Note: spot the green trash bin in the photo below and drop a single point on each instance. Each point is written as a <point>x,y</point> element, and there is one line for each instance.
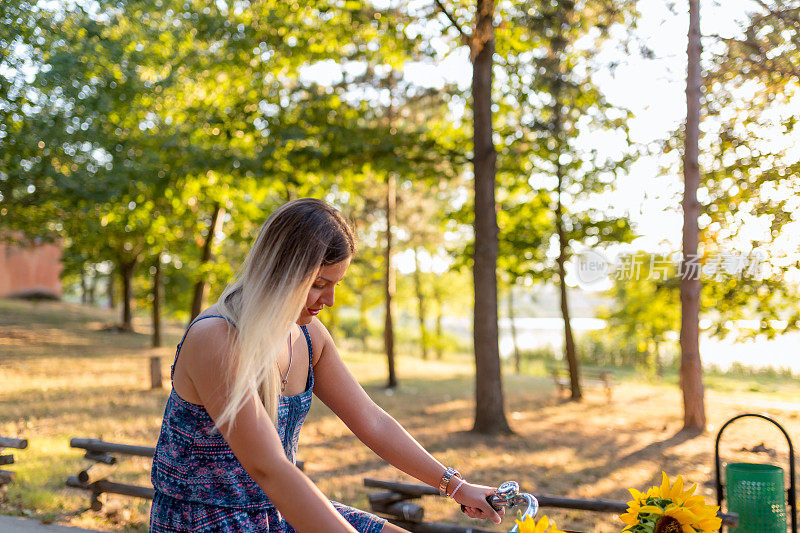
<point>756,493</point>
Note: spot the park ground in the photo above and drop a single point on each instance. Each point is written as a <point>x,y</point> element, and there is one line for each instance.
<point>64,374</point>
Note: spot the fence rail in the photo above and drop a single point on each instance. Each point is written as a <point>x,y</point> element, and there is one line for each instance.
<point>99,446</point>
<point>394,504</point>
<point>93,478</point>
<point>7,476</point>
<point>18,444</point>
<point>406,491</point>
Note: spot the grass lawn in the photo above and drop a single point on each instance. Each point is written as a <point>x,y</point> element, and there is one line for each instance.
<point>63,376</point>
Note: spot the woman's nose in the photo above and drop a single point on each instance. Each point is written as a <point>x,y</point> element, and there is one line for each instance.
<point>327,297</point>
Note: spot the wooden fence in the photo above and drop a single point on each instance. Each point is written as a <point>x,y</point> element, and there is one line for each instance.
<point>410,518</point>
<point>7,476</point>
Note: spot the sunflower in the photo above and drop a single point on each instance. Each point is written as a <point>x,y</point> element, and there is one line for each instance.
<point>529,525</point>
<point>668,508</point>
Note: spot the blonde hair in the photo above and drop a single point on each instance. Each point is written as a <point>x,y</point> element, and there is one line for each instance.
<point>270,290</point>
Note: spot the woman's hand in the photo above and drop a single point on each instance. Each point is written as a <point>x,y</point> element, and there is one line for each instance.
<point>473,498</point>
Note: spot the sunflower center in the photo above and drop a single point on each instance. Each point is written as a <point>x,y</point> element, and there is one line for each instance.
<point>668,524</point>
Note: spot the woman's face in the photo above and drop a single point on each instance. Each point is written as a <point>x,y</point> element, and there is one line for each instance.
<point>322,290</point>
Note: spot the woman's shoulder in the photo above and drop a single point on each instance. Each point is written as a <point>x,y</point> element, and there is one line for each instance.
<point>211,319</point>
<point>210,334</point>
<point>209,324</point>
<point>202,355</point>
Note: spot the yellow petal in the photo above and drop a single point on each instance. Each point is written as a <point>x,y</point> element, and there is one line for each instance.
<point>677,489</point>
<point>638,496</point>
<point>688,492</point>
<point>682,515</point>
<point>694,500</point>
<point>664,485</point>
<point>651,509</point>
<point>710,524</point>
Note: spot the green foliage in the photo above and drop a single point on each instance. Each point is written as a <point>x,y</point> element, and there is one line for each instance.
<point>552,104</point>
<point>646,312</point>
<point>750,180</point>
<point>542,353</point>
<point>737,369</point>
<point>611,348</point>
<point>152,113</point>
<point>123,125</point>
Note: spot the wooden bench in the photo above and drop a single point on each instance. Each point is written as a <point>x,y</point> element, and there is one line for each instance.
<point>7,476</point>
<point>590,378</point>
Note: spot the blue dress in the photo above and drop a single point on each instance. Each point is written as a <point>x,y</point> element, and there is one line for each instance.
<point>199,484</point>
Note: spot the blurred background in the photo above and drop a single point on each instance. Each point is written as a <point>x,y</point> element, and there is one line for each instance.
<point>147,141</point>
<point>144,142</point>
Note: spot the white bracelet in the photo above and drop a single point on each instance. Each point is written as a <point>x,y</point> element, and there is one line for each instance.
<point>453,494</point>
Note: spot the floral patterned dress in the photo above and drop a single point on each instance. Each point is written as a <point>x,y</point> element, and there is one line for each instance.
<point>199,484</point>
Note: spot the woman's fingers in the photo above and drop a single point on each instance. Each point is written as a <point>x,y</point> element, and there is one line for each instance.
<point>477,512</point>
<point>477,496</point>
<point>493,515</point>
<point>473,512</point>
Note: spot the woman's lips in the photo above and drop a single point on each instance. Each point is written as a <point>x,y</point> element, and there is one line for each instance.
<point>313,312</point>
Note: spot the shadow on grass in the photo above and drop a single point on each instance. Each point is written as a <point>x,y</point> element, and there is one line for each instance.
<point>549,429</point>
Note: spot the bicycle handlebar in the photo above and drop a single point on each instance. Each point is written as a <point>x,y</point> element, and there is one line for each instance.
<point>508,495</point>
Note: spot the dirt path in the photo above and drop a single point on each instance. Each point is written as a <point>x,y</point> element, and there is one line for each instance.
<point>11,524</point>
<point>757,404</point>
<point>72,378</point>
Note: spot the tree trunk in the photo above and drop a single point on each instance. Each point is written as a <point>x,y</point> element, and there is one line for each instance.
<point>91,287</point>
<point>513,327</point>
<point>84,289</point>
<point>126,275</point>
<point>389,279</point>
<point>205,257</point>
<point>156,379</point>
<point>490,417</point>
<point>569,340</point>
<point>691,375</point>
<point>423,333</point>
<point>556,56</point>
<point>657,356</point>
<point>437,295</point>
<point>112,300</point>
<point>157,291</point>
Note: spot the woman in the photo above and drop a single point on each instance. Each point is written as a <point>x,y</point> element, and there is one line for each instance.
<point>242,383</point>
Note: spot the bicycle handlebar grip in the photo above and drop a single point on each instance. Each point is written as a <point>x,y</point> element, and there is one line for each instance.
<point>489,500</point>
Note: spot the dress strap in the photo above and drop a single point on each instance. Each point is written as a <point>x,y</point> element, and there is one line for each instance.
<point>195,321</point>
<point>310,346</point>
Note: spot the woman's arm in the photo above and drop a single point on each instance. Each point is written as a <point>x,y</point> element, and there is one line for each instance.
<point>252,435</point>
<point>338,389</point>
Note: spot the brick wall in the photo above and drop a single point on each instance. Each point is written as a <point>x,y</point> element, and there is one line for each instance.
<point>25,269</point>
